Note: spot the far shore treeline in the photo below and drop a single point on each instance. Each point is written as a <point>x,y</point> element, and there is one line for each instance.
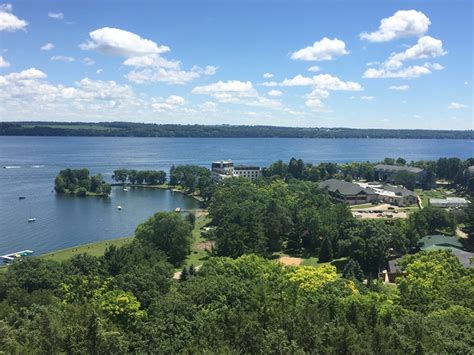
<point>129,129</point>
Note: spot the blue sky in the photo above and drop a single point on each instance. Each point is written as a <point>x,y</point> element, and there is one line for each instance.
<point>362,64</point>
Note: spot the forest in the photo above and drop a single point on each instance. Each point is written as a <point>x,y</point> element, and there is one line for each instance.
<point>129,129</point>
<point>241,300</point>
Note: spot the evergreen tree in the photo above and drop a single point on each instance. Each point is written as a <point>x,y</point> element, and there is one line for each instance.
<point>353,271</point>
<point>325,254</point>
<point>192,270</point>
<point>184,274</point>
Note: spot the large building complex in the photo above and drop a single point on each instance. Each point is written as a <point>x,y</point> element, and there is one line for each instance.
<point>360,193</point>
<point>225,169</point>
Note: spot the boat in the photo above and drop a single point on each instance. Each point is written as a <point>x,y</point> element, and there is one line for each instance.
<point>32,219</point>
<point>119,207</point>
<point>177,209</point>
<point>21,197</point>
<point>125,189</point>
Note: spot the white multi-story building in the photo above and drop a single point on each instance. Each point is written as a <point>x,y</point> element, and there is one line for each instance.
<point>225,169</point>
<point>251,172</point>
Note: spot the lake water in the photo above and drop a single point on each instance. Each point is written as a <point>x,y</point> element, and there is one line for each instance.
<point>65,221</point>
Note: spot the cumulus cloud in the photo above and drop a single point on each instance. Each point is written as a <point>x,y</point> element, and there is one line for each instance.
<point>325,49</point>
<point>63,58</point>
<point>399,87</point>
<point>426,47</point>
<point>314,68</point>
<point>28,94</point>
<point>99,71</point>
<point>56,15</point>
<point>456,106</point>
<point>155,68</point>
<point>236,92</point>
<point>4,63</point>
<point>8,21</point>
<point>275,93</point>
<point>208,106</point>
<point>322,81</point>
<point>404,73</point>
<point>47,47</point>
<point>170,104</point>
<point>367,98</point>
<point>404,23</point>
<point>393,67</point>
<point>119,42</point>
<point>268,75</point>
<point>170,72</point>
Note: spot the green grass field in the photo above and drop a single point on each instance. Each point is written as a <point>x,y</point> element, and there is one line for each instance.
<point>425,195</point>
<point>94,249</point>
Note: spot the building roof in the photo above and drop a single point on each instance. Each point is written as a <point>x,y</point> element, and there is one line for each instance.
<point>459,200</point>
<point>395,168</point>
<point>344,187</point>
<point>439,240</point>
<point>465,258</point>
<point>399,190</point>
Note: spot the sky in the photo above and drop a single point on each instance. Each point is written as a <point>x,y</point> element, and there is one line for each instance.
<point>360,64</point>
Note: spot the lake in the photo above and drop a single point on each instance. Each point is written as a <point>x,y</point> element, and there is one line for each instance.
<point>65,221</point>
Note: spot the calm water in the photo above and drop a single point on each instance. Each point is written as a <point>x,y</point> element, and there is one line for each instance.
<point>64,221</point>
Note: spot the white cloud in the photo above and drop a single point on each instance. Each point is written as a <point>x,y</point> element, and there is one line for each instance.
<point>367,98</point>
<point>56,15</point>
<point>8,21</point>
<point>371,64</point>
<point>268,83</point>
<point>426,47</point>
<point>434,66</point>
<point>404,23</point>
<point>236,92</point>
<point>88,61</point>
<point>4,63</point>
<point>47,47</point>
<point>172,103</point>
<point>399,87</point>
<point>62,58</point>
<point>325,49</point>
<point>406,73</point>
<point>322,81</point>
<point>28,74</point>
<point>208,106</point>
<point>275,93</point>
<point>227,90</point>
<point>268,75</point>
<point>314,68</point>
<point>99,71</point>
<point>119,42</point>
<point>456,106</point>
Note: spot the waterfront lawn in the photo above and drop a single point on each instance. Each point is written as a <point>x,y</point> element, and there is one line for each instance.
<point>94,249</point>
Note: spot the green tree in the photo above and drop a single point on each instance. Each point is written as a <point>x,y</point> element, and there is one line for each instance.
<point>168,232</point>
<point>353,271</point>
<point>326,254</point>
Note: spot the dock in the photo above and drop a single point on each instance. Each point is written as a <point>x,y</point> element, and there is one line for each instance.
<point>9,258</point>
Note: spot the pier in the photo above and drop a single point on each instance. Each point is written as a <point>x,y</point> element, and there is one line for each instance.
<point>9,258</point>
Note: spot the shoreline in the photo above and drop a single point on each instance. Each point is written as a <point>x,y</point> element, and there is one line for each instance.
<point>172,188</point>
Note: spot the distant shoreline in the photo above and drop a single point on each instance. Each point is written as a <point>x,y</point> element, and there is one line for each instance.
<point>148,130</point>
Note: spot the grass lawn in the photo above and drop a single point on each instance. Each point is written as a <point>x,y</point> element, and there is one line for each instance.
<point>425,195</point>
<point>362,206</point>
<point>198,255</point>
<point>94,249</point>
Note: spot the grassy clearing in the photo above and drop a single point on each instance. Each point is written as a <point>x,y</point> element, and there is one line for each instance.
<point>198,255</point>
<point>362,206</point>
<point>94,249</point>
<point>425,195</point>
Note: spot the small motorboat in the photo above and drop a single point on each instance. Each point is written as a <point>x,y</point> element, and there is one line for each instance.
<point>21,197</point>
<point>125,189</point>
<point>119,207</point>
<point>31,219</point>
